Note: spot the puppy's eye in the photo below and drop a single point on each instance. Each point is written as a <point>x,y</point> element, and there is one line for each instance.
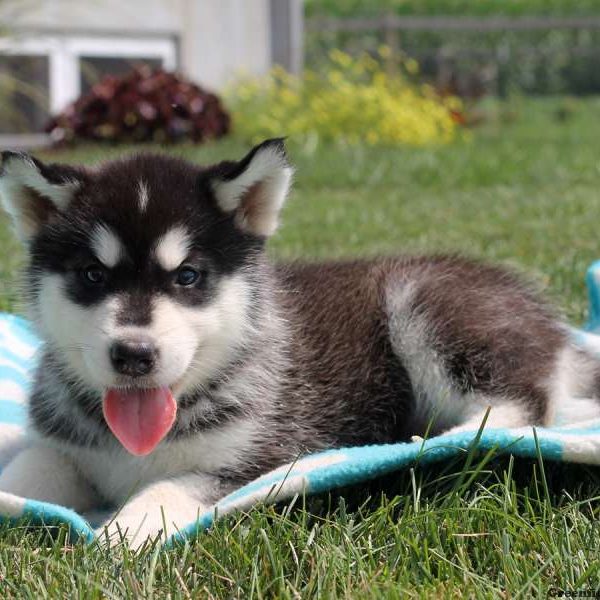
<point>187,276</point>
<point>94,274</point>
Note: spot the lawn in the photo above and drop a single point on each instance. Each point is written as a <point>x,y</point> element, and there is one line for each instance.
<point>523,191</point>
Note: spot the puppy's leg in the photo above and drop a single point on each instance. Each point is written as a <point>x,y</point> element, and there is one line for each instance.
<point>470,336</point>
<point>501,415</point>
<point>42,473</point>
<point>172,503</point>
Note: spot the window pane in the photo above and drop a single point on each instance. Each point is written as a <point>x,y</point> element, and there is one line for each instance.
<point>93,68</point>
<point>23,93</point>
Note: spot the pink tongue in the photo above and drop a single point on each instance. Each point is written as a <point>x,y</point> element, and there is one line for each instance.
<point>140,419</point>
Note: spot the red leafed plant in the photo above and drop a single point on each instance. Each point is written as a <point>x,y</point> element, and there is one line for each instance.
<point>146,105</point>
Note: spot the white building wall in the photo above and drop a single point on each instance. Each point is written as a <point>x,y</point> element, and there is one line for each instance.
<point>225,38</point>
<point>142,16</point>
<point>214,40</point>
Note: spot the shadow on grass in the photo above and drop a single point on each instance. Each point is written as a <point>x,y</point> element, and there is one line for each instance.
<point>551,485</point>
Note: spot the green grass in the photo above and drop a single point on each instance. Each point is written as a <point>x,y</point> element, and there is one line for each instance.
<point>525,193</point>
<point>489,8</point>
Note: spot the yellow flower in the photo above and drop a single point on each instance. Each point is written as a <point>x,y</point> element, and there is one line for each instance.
<point>352,101</point>
<point>411,65</point>
<point>384,51</point>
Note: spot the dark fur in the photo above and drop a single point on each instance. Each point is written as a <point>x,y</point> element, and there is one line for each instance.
<point>348,387</point>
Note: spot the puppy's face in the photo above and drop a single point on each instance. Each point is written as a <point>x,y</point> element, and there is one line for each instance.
<point>143,272</point>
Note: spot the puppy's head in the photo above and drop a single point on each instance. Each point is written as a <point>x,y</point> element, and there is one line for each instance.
<point>143,272</point>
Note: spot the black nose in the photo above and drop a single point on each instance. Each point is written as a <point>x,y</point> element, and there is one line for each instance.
<point>133,357</point>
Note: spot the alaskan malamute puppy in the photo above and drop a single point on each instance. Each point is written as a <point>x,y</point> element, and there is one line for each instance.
<point>179,363</point>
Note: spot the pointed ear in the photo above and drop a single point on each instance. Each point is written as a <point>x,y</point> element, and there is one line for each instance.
<point>255,188</point>
<point>32,192</point>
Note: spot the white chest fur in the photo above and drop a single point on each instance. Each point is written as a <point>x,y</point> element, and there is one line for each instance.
<point>117,475</point>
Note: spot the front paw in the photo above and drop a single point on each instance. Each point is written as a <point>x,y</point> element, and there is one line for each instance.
<point>159,511</point>
<point>134,529</point>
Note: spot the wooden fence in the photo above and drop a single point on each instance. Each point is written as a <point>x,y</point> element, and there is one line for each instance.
<point>393,27</point>
<point>463,24</point>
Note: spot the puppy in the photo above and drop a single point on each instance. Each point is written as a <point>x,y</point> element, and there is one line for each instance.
<point>179,363</point>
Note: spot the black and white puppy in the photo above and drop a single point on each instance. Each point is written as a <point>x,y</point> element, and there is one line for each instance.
<point>179,363</point>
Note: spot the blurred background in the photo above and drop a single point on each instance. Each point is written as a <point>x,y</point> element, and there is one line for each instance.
<point>54,52</point>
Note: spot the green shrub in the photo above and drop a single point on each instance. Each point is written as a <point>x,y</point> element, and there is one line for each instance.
<point>350,8</point>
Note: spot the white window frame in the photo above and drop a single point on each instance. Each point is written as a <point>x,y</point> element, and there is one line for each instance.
<point>64,54</point>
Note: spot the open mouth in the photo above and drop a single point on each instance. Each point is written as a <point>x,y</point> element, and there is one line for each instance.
<point>139,417</point>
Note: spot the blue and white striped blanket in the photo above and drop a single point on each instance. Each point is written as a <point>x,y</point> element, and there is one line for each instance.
<point>321,472</point>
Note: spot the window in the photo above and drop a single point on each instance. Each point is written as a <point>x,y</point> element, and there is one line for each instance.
<point>23,93</point>
<point>93,68</point>
<point>55,70</point>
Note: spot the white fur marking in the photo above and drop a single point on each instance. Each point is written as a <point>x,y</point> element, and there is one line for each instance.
<point>194,343</point>
<point>505,415</point>
<point>20,175</point>
<point>81,333</point>
<point>117,474</point>
<point>172,248</point>
<point>143,195</point>
<point>436,396</point>
<point>106,246</point>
